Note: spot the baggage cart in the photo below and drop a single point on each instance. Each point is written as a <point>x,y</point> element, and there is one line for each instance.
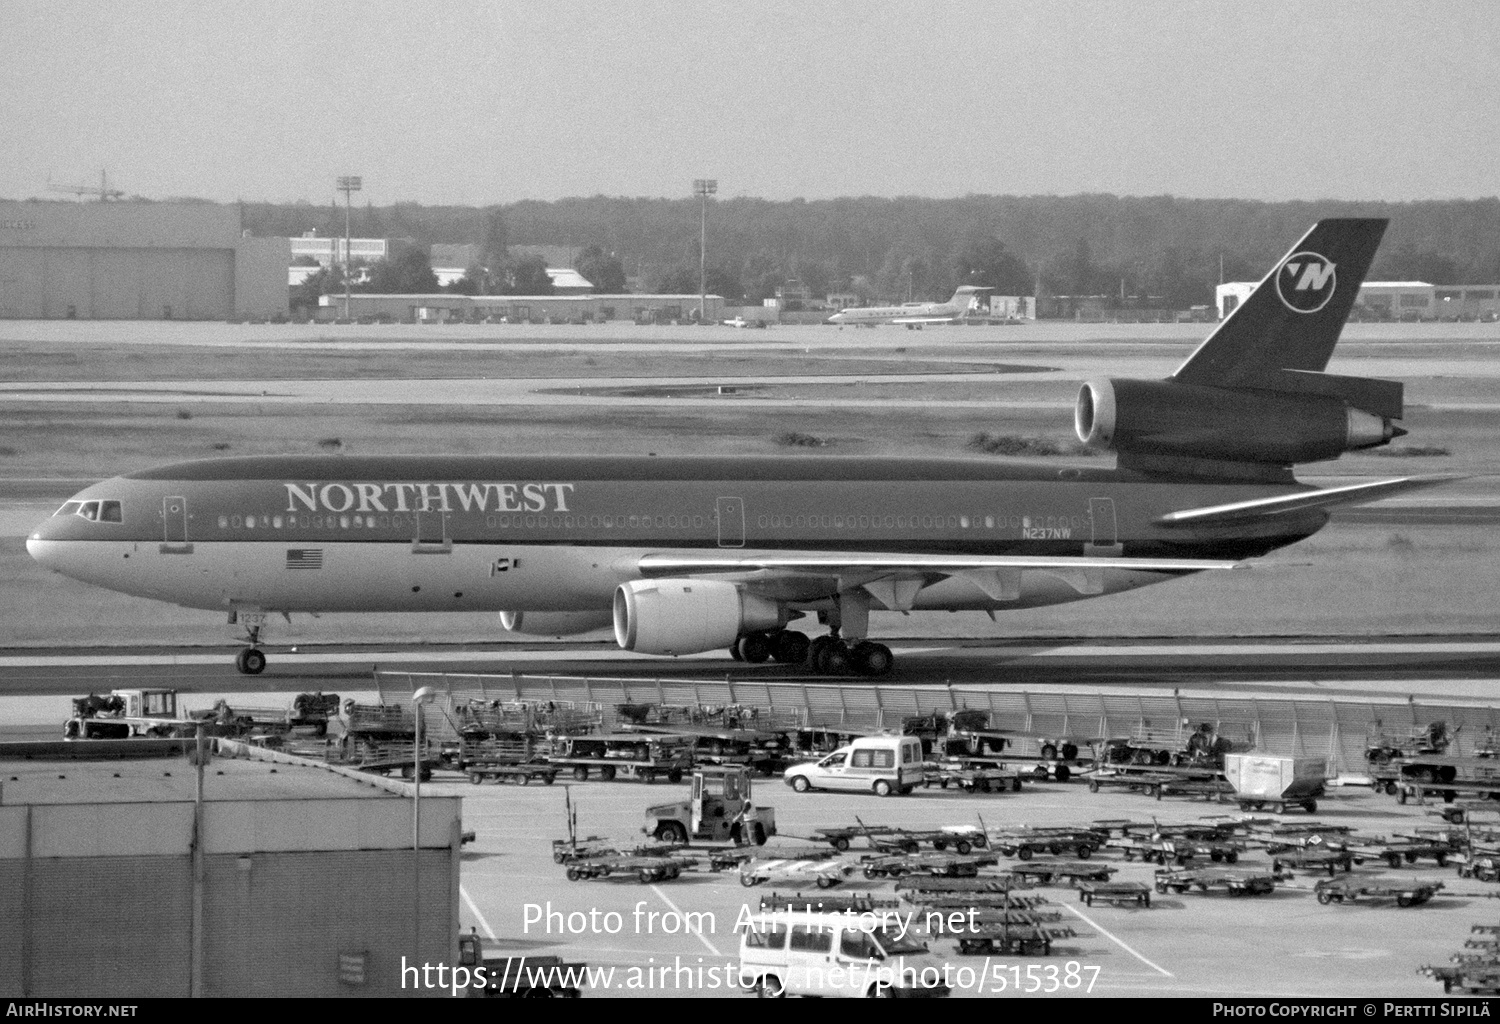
<point>826,903</point>
<point>1047,874</point>
<point>1235,883</point>
<point>1115,893</point>
<point>518,774</point>
<point>1345,890</point>
<point>1014,939</point>
<point>945,864</point>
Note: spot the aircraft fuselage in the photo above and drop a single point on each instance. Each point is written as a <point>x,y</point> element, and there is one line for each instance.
<point>414,533</point>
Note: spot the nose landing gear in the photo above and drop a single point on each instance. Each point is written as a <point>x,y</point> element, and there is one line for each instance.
<point>251,660</point>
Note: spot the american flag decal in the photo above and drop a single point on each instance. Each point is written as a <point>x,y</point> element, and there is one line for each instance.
<point>304,558</point>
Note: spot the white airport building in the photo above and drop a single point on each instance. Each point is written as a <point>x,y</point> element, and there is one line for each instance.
<point>1396,300</point>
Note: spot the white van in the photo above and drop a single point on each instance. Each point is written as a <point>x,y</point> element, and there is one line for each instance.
<point>813,954</point>
<point>879,764</point>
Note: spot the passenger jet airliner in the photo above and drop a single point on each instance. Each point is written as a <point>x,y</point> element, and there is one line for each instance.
<point>683,555</point>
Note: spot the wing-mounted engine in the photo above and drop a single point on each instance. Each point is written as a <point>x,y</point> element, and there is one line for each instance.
<point>556,623</point>
<point>1143,419</point>
<point>685,616</point>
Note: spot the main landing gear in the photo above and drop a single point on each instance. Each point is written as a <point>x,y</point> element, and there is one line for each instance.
<point>827,655</point>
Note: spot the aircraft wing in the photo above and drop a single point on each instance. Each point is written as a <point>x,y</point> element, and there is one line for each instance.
<point>896,579</point>
<point>944,565</point>
<point>1328,497</point>
<point>923,319</point>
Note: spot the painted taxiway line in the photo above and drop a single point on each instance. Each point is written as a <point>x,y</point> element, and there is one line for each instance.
<point>291,659</point>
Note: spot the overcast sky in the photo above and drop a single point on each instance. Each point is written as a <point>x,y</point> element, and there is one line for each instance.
<point>471,102</point>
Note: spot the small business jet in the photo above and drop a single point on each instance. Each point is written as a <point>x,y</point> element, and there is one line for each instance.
<point>913,315</point>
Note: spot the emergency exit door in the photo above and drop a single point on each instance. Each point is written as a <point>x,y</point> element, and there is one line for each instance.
<point>1104,533</point>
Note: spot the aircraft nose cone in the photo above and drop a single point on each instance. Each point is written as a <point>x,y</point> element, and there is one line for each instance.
<point>40,549</point>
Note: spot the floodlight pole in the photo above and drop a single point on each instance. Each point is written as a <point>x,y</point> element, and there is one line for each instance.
<point>703,188</point>
<point>347,184</point>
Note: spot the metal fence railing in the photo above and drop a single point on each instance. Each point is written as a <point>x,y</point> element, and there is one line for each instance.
<point>1333,728</point>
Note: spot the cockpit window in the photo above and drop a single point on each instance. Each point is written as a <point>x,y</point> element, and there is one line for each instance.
<point>94,511</point>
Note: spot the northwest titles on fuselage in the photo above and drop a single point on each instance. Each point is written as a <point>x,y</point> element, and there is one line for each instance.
<point>531,496</point>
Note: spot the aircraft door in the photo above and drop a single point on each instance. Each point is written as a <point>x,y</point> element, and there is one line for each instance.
<point>1104,529</point>
<point>174,519</point>
<point>430,533</point>
<point>731,517</point>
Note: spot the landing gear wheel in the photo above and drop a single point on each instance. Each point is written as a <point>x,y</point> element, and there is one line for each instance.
<point>753,648</point>
<point>790,647</point>
<point>815,647</point>
<point>251,661</point>
<point>833,659</point>
<point>872,659</point>
<point>734,651</point>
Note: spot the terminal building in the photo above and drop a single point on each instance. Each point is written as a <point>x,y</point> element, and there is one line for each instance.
<point>137,261</point>
<point>1396,300</point>
<point>283,877</point>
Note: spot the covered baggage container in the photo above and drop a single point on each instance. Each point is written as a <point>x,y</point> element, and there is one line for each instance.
<point>1276,781</point>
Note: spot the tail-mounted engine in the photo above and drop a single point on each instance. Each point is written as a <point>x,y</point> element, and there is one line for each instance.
<point>1172,419</point>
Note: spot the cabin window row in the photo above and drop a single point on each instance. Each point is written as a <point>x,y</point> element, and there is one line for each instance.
<point>557,522</point>
<point>1014,522</point>
<point>110,512</point>
<point>357,521</point>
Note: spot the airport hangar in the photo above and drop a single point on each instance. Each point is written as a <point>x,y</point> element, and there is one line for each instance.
<point>137,261</point>
<point>302,883</point>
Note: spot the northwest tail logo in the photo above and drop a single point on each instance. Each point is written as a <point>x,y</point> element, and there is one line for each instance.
<point>1306,282</point>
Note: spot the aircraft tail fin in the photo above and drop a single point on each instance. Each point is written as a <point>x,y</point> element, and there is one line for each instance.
<point>1294,317</point>
<point>966,294</point>
<point>1253,399</point>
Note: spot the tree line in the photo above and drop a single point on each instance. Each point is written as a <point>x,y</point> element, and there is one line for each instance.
<point>1156,250</point>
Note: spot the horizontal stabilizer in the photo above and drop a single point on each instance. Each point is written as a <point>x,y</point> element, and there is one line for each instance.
<point>1283,504</point>
<point>820,564</point>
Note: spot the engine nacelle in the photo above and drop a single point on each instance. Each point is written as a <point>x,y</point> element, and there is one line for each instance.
<point>556,623</point>
<point>1160,417</point>
<point>688,616</point>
